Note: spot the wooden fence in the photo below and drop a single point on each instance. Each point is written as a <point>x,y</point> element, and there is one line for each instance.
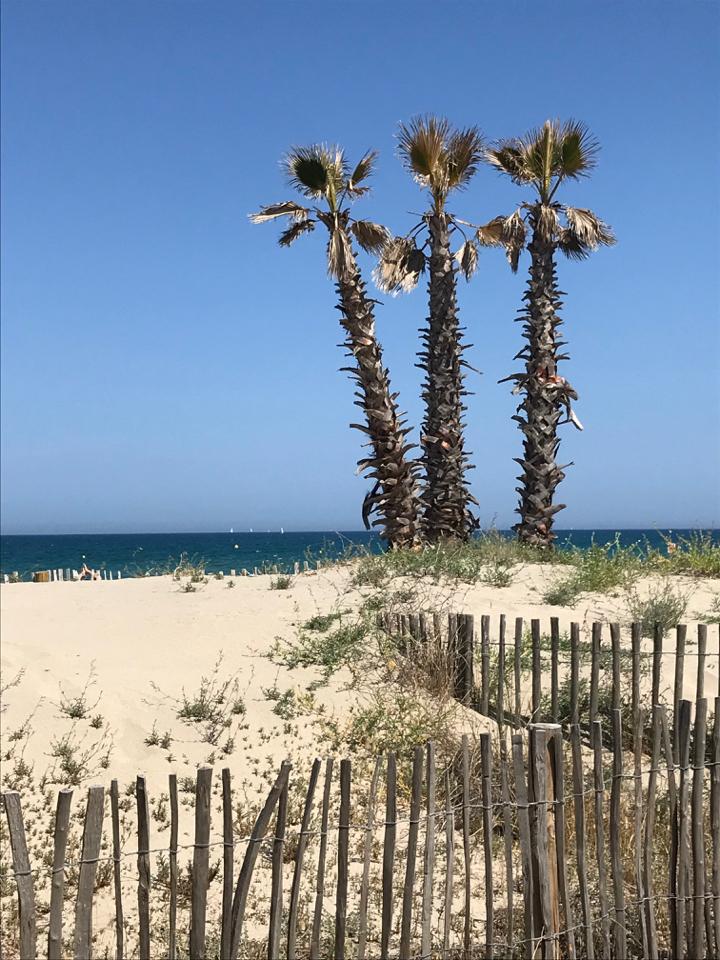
<point>544,675</point>
<point>527,844</point>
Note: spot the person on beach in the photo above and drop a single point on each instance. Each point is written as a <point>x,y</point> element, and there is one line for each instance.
<point>87,574</point>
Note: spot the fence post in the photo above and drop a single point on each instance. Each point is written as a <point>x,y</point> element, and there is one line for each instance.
<point>299,858</point>
<point>367,854</point>
<point>715,822</point>
<point>413,830</point>
<point>23,874</point>
<point>536,669</point>
<point>554,668</point>
<point>485,665</point>
<point>599,776</point>
<point>201,859</point>
<point>342,861</point>
<point>486,788</point>
<point>92,834</point>
<point>698,830</point>
<point>579,798</point>
<point>62,822</point>
<point>620,928</point>
<point>388,856</point>
<point>517,667</point>
<point>117,879</point>
<point>547,907</point>
<point>322,853</point>
<point>429,861</point>
<point>521,797</point>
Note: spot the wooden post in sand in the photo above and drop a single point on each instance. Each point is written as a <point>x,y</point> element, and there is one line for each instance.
<point>544,851</point>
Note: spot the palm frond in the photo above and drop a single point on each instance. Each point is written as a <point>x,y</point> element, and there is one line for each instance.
<point>316,170</point>
<point>467,258</point>
<point>361,172</point>
<point>372,237</point>
<point>578,150</point>
<point>548,223</point>
<point>491,234</point>
<point>514,234</point>
<point>421,144</point>
<point>589,229</point>
<point>400,266</point>
<point>290,235</point>
<point>287,208</point>
<point>339,253</point>
<point>464,153</point>
<point>569,244</point>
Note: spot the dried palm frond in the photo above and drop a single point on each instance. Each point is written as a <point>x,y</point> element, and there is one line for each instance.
<point>547,222</point>
<point>467,258</point>
<point>400,266</point>
<point>421,144</point>
<point>491,234</point>
<point>464,153</point>
<point>578,149</point>
<point>513,235</point>
<point>339,254</point>
<point>509,158</point>
<point>569,244</point>
<point>287,208</point>
<point>361,172</point>
<point>296,230</point>
<point>372,237</point>
<point>589,229</point>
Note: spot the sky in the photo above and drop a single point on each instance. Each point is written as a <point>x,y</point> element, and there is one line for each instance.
<point>167,367</point>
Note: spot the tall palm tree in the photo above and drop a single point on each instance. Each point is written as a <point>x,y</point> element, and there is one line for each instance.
<point>321,173</point>
<point>543,160</point>
<point>441,160</point>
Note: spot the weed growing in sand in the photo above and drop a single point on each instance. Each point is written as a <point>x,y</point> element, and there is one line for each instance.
<point>664,604</point>
<point>191,567</point>
<point>156,739</point>
<point>596,569</point>
<point>230,584</point>
<point>713,614</point>
<point>323,622</point>
<point>75,758</point>
<point>78,707</point>
<point>188,587</point>
<point>282,582</point>
<point>329,650</point>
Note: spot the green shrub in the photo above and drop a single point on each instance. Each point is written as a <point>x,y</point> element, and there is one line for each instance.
<point>664,605</point>
<point>283,582</point>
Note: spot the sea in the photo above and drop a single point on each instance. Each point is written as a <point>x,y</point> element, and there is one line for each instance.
<point>134,554</point>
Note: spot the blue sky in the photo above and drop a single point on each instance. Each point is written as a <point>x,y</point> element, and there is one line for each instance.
<point>167,367</point>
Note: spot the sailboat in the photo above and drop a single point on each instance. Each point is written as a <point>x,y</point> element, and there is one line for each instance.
<point>231,530</point>
<point>281,530</point>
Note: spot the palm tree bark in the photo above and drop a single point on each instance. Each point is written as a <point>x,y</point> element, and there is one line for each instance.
<point>546,396</point>
<point>395,498</point>
<point>446,497</point>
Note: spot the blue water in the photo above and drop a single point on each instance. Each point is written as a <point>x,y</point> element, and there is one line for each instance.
<point>134,553</point>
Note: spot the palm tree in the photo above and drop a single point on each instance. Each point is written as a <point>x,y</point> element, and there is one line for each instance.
<point>441,160</point>
<point>321,173</point>
<point>544,159</point>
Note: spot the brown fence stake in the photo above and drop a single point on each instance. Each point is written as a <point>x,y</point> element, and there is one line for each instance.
<point>299,858</point>
<point>228,864</point>
<point>449,863</point>
<point>698,830</point>
<point>684,914</point>
<point>638,727</point>
<point>656,662</point>
<point>536,669</point>
<point>521,796</point>
<point>276,883</point>
<point>557,758</point>
<point>649,892</point>
<point>57,890</point>
<point>596,728</point>
<point>517,668</point>
<point>715,823</point>
<point>680,640</point>
<point>554,668</point>
<point>467,933</point>
<point>413,830</point>
<point>320,878</point>
<point>701,655</point>
<point>579,801</point>
<point>23,874</point>
<point>143,865</point>
<point>574,672</point>
<point>547,908</point>
<point>486,788</point>
<point>388,855</point>
<point>636,644</point>
<point>201,861</point>
<point>620,929</point>
<point>92,836</point>
<point>343,849</point>
<point>172,859</point>
<point>485,665</point>
<point>595,670</point>
<point>673,904</point>
<point>429,860</point>
<point>615,647</point>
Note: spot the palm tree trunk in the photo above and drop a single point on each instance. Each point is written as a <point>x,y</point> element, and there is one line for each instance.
<point>545,397</point>
<point>395,498</point>
<point>446,497</point>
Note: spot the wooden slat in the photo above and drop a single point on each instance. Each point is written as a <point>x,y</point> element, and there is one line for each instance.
<point>343,851</point>
<point>57,887</point>
<point>701,657</point>
<point>467,932</point>
<point>117,878</point>
<point>429,859</point>
<point>173,864</point>
<point>228,864</point>
<point>23,875</point>
<point>557,757</point>
<point>507,837</point>
<point>684,915</point>
<point>544,863</point>
<point>485,665</point>
<point>521,797</point>
<point>656,663</point>
<point>715,824</point>
<point>413,830</point>
<point>595,670</point>
<point>596,738</point>
<point>619,928</point>
<point>638,727</point>
<point>673,905</point>
<point>143,865</point>
<point>636,647</point>
<point>486,788</point>
<point>276,883</point>
<point>680,642</point>
<point>698,830</point>
<point>554,668</point>
<point>649,840</point>
<point>517,662</point>
<point>500,686</point>
<point>322,854</point>
<point>616,681</point>
<point>449,864</point>
<point>299,860</point>
<point>582,871</point>
<point>201,862</point>
<point>388,855</point>
<point>253,848</point>
<point>574,672</point>
<point>92,836</point>
<point>367,858</point>
<point>536,668</point>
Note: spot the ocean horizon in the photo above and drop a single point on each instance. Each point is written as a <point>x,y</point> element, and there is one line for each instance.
<point>139,553</point>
